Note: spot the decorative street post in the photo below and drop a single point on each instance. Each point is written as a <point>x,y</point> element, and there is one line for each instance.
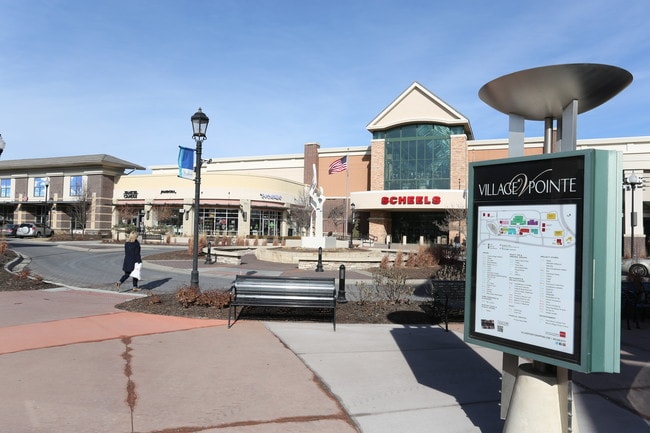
<point>199,126</point>
<point>633,181</point>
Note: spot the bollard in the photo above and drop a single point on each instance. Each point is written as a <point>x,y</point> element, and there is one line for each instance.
<point>208,261</point>
<point>341,295</point>
<point>319,265</point>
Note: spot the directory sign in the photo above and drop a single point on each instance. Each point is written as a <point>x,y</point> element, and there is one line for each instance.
<point>527,252</point>
<point>544,258</point>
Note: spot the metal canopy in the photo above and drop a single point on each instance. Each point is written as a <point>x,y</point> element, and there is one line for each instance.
<point>544,92</point>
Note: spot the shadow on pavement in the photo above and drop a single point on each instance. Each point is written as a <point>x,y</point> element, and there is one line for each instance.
<point>155,283</point>
<point>443,362</point>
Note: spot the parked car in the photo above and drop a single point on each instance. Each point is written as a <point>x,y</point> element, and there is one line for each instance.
<point>637,266</point>
<point>34,230</point>
<point>8,229</point>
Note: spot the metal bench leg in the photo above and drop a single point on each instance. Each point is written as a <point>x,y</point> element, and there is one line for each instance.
<point>230,308</point>
<point>446,314</point>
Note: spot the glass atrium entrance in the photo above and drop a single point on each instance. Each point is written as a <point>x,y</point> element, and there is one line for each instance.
<point>416,224</point>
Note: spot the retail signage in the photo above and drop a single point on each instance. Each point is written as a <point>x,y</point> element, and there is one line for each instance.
<point>130,194</point>
<point>410,200</point>
<point>533,285</point>
<point>271,197</point>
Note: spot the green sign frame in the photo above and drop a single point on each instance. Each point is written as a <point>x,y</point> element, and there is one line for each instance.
<point>544,258</point>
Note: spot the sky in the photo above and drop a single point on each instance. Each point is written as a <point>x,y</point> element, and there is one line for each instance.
<point>123,77</point>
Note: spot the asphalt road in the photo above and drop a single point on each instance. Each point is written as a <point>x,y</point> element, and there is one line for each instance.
<point>99,266</point>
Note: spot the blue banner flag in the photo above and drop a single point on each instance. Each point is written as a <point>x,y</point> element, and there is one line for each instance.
<point>186,163</point>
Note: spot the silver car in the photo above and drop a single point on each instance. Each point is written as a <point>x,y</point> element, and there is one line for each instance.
<point>636,266</point>
<point>33,230</point>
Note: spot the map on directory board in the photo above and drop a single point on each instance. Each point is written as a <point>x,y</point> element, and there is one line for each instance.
<point>525,257</point>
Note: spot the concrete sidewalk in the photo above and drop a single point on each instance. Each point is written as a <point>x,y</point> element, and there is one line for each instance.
<point>72,362</point>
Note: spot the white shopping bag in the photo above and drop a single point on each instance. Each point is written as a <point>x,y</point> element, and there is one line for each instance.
<point>136,271</point>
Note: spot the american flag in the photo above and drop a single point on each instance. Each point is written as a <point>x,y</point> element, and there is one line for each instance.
<point>339,165</point>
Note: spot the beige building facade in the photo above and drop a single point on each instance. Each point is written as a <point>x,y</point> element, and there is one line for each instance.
<point>407,184</point>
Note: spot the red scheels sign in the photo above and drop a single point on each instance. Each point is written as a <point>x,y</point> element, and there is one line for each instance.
<point>410,200</point>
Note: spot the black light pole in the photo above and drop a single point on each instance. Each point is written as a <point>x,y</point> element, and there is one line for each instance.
<point>352,207</point>
<point>199,126</point>
<point>47,208</point>
<point>633,181</point>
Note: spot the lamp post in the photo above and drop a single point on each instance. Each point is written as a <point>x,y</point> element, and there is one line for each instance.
<point>352,207</point>
<point>199,126</point>
<point>633,181</point>
<point>2,144</point>
<point>47,208</point>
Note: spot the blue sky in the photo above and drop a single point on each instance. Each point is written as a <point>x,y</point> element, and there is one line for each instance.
<point>123,77</point>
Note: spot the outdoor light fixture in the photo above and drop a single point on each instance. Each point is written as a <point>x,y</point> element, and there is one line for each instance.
<point>199,126</point>
<point>2,144</point>
<point>633,182</point>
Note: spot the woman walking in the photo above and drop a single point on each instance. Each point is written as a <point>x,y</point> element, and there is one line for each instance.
<point>131,257</point>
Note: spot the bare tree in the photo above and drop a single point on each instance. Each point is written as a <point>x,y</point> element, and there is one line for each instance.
<point>164,213</point>
<point>80,210</point>
<point>337,215</point>
<point>456,220</point>
<point>301,211</point>
<point>127,212</point>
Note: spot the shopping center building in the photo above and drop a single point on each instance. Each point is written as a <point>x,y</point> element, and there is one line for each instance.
<point>408,183</point>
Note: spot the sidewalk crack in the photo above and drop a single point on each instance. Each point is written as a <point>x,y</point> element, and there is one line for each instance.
<point>131,395</point>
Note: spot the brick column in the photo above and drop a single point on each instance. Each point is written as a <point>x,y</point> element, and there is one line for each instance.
<point>459,167</point>
<point>379,225</point>
<point>377,165</point>
<point>311,158</point>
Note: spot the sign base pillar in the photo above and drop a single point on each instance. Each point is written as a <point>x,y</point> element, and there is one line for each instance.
<point>536,406</point>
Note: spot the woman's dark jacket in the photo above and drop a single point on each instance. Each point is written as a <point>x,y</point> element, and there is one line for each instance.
<point>131,255</point>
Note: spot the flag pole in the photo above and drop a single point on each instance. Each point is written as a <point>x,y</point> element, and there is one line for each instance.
<point>347,191</point>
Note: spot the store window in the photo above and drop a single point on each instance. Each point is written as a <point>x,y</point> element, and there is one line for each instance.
<point>5,188</point>
<point>265,222</point>
<point>418,156</point>
<point>222,222</point>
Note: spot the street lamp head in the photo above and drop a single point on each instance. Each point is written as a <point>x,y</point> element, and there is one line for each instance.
<point>199,125</point>
<point>634,180</point>
<point>2,144</point>
<point>352,206</point>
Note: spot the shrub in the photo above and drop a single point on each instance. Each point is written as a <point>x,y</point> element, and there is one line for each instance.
<point>203,242</point>
<point>450,272</point>
<point>425,258</point>
<point>188,296</point>
<point>399,259</point>
<point>410,260</point>
<point>214,298</point>
<point>385,261</point>
<point>390,285</point>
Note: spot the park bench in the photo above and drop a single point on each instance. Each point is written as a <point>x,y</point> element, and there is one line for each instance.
<point>635,301</point>
<point>293,292</point>
<point>448,295</point>
<point>147,236</point>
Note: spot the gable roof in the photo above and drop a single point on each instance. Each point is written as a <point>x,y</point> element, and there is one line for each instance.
<point>418,105</point>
